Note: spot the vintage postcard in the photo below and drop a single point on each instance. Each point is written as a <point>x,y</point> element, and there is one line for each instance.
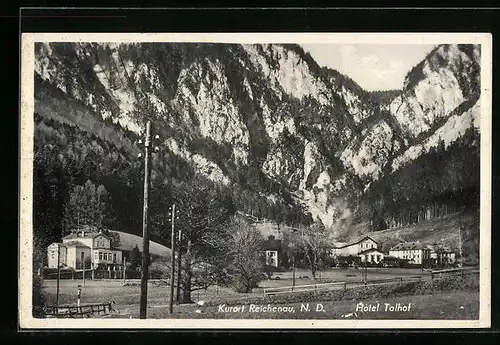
<point>255,180</point>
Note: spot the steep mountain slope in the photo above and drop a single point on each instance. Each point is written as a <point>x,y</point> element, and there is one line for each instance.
<point>263,121</point>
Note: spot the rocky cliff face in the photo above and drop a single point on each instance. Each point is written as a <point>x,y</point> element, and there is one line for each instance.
<point>226,108</point>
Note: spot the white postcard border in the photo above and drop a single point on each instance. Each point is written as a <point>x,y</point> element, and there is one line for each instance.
<point>26,320</point>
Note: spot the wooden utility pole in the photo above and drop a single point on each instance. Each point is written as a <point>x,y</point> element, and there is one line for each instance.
<point>145,235</point>
<point>124,269</point>
<point>460,228</point>
<point>172,271</point>
<point>179,269</point>
<point>58,276</point>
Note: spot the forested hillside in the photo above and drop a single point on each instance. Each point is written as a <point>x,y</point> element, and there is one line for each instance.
<point>258,128</point>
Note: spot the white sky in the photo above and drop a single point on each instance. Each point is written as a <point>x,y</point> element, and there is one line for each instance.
<point>372,66</point>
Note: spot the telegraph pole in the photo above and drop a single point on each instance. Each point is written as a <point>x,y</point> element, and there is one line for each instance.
<point>461,227</point>
<point>124,269</point>
<point>293,245</point>
<point>172,271</point>
<point>145,235</point>
<point>58,276</point>
<point>179,269</point>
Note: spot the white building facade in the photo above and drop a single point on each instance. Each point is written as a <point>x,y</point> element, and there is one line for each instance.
<point>84,249</point>
<point>353,249</point>
<point>414,252</point>
<point>373,256</point>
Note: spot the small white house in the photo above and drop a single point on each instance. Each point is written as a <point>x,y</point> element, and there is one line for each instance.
<point>84,249</point>
<point>272,249</point>
<point>52,253</point>
<point>272,258</point>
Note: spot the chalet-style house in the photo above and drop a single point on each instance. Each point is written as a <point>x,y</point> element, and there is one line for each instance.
<point>415,253</point>
<point>353,248</point>
<point>273,251</point>
<point>94,249</point>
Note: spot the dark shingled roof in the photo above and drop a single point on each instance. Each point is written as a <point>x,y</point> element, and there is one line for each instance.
<point>356,242</point>
<point>371,250</point>
<point>271,244</point>
<point>87,235</point>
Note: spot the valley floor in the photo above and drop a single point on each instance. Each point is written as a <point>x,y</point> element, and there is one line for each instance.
<point>440,305</point>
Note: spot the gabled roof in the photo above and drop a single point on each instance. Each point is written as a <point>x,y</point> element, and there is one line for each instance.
<point>75,235</point>
<point>408,246</point>
<point>271,244</point>
<point>371,250</point>
<point>356,242</point>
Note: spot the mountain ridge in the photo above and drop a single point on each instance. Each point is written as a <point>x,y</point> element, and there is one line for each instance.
<point>265,118</point>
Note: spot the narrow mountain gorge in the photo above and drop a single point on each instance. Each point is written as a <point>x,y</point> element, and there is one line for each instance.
<point>282,137</point>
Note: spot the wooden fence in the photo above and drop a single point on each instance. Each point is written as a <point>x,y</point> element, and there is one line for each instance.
<point>338,285</point>
<point>81,311</point>
<point>345,285</point>
<point>94,274</point>
<point>463,271</point>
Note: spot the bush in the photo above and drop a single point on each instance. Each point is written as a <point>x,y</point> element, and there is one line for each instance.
<point>244,285</point>
<point>159,270</point>
<point>38,301</point>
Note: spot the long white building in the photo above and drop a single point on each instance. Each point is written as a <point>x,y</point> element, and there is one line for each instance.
<point>353,248</point>
<point>415,252</point>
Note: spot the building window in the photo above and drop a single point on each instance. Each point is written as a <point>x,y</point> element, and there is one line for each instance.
<point>114,257</point>
<point>100,256</point>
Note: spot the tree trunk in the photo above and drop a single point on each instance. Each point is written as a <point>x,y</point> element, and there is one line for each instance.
<point>312,265</point>
<point>186,286</point>
<point>248,285</point>
<point>186,289</point>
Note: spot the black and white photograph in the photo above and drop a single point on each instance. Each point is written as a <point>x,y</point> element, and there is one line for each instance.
<point>255,180</point>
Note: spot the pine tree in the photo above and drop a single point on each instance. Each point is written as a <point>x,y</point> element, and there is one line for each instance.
<point>88,205</point>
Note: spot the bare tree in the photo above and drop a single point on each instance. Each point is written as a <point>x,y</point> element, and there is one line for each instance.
<point>313,241</point>
<point>202,211</point>
<point>241,247</point>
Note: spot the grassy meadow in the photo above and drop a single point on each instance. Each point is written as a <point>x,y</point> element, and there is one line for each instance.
<point>447,298</point>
